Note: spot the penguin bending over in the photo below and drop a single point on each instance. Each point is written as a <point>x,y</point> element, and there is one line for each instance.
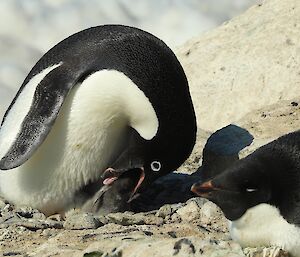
<point>260,195</point>
<point>104,101</point>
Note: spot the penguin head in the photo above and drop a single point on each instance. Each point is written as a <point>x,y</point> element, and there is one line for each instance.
<point>240,187</point>
<point>145,159</point>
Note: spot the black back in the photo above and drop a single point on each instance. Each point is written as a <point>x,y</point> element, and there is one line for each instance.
<point>145,59</point>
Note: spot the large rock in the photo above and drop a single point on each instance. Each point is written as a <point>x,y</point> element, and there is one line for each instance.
<point>245,64</point>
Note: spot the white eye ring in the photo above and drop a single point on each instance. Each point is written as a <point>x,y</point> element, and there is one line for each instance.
<point>250,190</point>
<point>155,166</point>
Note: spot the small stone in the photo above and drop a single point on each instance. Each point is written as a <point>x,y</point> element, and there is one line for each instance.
<point>164,211</point>
<point>184,245</point>
<point>103,219</point>
<point>136,219</point>
<point>47,232</point>
<point>208,212</point>
<point>198,200</point>
<point>54,224</point>
<point>172,234</point>
<point>81,221</point>
<point>28,212</point>
<point>148,233</point>
<point>189,212</point>
<point>56,217</point>
<point>125,219</point>
<point>94,254</point>
<point>7,208</point>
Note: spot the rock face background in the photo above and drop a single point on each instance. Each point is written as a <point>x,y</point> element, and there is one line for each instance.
<point>250,62</point>
<point>29,28</point>
<point>245,72</point>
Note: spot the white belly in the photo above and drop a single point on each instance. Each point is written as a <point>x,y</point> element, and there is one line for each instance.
<point>263,225</point>
<point>87,136</point>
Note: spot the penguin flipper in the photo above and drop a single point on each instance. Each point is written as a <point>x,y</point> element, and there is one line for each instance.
<point>48,98</point>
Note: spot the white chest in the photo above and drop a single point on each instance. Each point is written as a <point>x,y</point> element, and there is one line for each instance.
<point>89,133</point>
<point>263,225</point>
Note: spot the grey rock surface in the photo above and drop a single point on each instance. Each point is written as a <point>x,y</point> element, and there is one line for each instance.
<point>247,63</point>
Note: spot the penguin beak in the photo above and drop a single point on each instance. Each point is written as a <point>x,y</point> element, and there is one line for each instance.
<point>204,189</point>
<point>110,175</point>
<point>134,195</point>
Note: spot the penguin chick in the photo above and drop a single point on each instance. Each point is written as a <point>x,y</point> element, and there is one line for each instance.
<point>106,100</point>
<point>111,198</point>
<point>260,195</point>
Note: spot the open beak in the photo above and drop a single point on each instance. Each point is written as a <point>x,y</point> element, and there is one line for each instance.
<point>134,192</point>
<point>204,189</point>
<point>110,175</point>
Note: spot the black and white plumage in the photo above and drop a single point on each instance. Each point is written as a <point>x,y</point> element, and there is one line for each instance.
<point>260,195</point>
<point>103,101</point>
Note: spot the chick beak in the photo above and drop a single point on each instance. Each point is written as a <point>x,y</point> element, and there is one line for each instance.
<point>110,175</point>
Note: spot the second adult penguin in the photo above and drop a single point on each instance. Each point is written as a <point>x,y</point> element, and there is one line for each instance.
<point>260,195</point>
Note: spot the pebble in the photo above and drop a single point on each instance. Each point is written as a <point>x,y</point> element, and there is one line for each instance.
<point>189,212</point>
<point>7,208</point>
<point>198,200</point>
<point>209,212</point>
<point>28,212</point>
<point>103,219</point>
<point>56,217</point>
<point>164,211</point>
<point>78,221</point>
<point>134,219</point>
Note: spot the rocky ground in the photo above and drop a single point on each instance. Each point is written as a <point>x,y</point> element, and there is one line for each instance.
<point>194,227</point>
<point>246,73</point>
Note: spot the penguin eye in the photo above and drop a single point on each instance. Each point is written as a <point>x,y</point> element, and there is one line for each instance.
<point>155,166</point>
<point>250,190</point>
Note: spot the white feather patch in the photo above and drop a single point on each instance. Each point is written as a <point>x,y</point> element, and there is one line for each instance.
<point>12,124</point>
<point>125,97</point>
<point>263,225</point>
<point>90,132</point>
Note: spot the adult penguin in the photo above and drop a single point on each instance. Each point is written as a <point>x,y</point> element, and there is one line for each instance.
<point>260,195</point>
<point>104,101</point>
